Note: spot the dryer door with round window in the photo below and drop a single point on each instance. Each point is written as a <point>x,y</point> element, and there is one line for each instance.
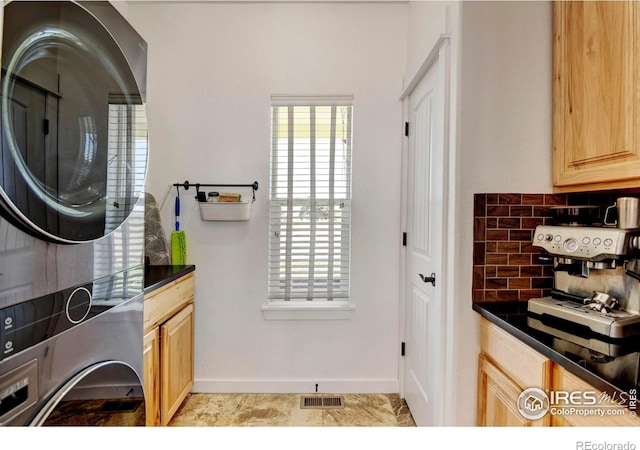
<point>73,128</point>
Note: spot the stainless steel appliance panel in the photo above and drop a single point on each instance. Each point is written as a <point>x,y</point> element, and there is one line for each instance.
<point>103,354</point>
<point>73,156</point>
<point>71,179</point>
<point>73,125</point>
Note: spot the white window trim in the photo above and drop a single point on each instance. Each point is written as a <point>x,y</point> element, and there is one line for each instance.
<point>338,309</point>
<point>315,310</point>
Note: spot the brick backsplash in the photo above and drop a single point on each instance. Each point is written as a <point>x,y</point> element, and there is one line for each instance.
<point>505,264</point>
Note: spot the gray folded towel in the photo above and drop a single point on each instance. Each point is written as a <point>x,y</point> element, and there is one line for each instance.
<point>156,248</point>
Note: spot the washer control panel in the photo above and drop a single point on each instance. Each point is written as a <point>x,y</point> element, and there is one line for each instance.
<point>587,243</point>
<point>31,322</point>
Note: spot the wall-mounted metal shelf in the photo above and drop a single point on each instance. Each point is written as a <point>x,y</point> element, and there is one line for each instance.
<point>221,211</point>
<point>186,185</point>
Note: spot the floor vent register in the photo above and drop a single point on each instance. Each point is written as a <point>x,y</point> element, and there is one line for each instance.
<point>315,402</point>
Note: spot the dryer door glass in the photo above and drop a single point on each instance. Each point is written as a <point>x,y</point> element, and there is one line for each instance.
<point>106,394</point>
<point>73,124</point>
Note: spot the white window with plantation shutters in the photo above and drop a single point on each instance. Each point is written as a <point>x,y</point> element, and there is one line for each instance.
<point>310,203</point>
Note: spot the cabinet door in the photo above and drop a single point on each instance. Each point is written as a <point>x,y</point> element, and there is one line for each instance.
<point>497,399</point>
<point>176,360</point>
<point>596,141</point>
<point>614,411</point>
<point>151,361</point>
<point>525,366</point>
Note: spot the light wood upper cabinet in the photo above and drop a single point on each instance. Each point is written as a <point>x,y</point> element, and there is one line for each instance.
<point>596,95</point>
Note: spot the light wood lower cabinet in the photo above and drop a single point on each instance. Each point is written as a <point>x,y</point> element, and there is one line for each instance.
<point>176,361</point>
<point>497,399</point>
<point>507,366</point>
<point>607,412</point>
<point>168,349</point>
<point>151,361</point>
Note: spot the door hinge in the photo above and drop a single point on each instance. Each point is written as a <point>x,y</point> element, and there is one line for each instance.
<point>45,126</point>
<point>402,349</point>
<point>404,239</point>
<point>406,129</point>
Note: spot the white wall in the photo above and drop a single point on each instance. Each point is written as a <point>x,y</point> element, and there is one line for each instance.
<point>501,138</point>
<point>506,79</point>
<point>427,21</point>
<point>212,68</point>
<point>504,139</point>
<point>213,112</point>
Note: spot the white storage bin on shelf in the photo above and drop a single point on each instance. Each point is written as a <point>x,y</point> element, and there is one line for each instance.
<point>222,210</point>
<point>225,210</point>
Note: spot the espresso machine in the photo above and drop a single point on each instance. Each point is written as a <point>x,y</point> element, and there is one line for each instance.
<point>596,286</point>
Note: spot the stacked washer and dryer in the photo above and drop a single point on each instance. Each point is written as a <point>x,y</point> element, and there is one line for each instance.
<point>73,159</point>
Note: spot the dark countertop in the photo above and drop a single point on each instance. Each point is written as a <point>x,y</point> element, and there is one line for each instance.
<point>613,368</point>
<point>158,276</point>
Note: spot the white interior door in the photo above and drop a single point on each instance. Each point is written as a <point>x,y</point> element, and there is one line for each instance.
<point>424,310</point>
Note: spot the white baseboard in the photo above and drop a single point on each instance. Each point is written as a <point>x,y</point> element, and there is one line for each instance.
<point>297,386</point>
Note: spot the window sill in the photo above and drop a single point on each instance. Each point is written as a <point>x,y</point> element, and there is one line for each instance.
<point>303,311</point>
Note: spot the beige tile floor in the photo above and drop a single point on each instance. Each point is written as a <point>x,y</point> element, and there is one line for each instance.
<point>283,410</point>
